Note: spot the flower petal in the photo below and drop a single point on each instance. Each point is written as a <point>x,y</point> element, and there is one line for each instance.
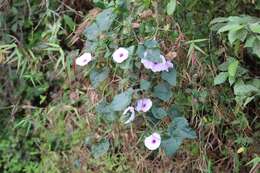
<point>148,104</point>
<point>143,105</point>
<point>153,141</point>
<point>83,59</point>
<point>120,55</point>
<point>147,64</point>
<point>132,117</point>
<point>157,67</point>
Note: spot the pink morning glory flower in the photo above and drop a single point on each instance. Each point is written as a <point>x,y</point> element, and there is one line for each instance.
<point>84,59</point>
<point>120,55</point>
<point>156,66</point>
<point>143,105</point>
<point>153,142</point>
<point>132,116</point>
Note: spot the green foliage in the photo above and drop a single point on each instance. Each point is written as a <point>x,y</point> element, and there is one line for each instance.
<point>178,131</point>
<point>245,29</point>
<point>163,91</point>
<point>69,21</point>
<point>180,128</point>
<point>170,76</point>
<point>255,161</point>
<point>171,145</point>
<point>144,84</point>
<point>245,93</point>
<point>243,89</point>
<point>159,113</point>
<point>96,77</point>
<point>171,6</point>
<point>58,117</point>
<point>100,149</point>
<point>102,23</point>
<point>122,100</point>
<point>220,78</point>
<point>106,111</point>
<point>149,50</point>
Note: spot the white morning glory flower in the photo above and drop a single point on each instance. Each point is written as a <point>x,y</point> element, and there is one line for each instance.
<point>84,59</point>
<point>120,55</point>
<point>132,116</point>
<point>143,105</point>
<point>153,142</point>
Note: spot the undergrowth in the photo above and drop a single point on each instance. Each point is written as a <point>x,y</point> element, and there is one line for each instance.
<point>52,110</point>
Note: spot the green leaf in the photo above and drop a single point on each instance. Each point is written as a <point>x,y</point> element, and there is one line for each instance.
<point>232,68</point>
<point>229,27</point>
<point>256,48</point>
<point>68,21</point>
<point>171,145</point>
<point>153,55</point>
<point>97,77</point>
<point>151,49</point>
<point>174,112</point>
<point>244,89</point>
<point>121,101</point>
<point>255,27</point>
<point>171,6</point>
<point>163,92</point>
<point>242,34</point>
<point>159,113</point>
<point>250,41</point>
<point>150,44</point>
<point>255,82</point>
<point>224,65</point>
<point>140,51</point>
<point>220,78</point>
<point>219,20</point>
<point>234,35</point>
<point>237,19</point>
<point>100,149</point>
<point>104,109</point>
<point>231,80</point>
<point>170,76</point>
<point>92,32</point>
<point>91,46</point>
<point>180,128</point>
<point>196,41</point>
<point>217,26</point>
<point>102,23</point>
<point>144,84</point>
<point>105,19</point>
<point>248,100</point>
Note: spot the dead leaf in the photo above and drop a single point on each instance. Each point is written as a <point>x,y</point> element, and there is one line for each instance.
<point>147,13</point>
<point>171,55</point>
<point>135,25</point>
<point>80,29</point>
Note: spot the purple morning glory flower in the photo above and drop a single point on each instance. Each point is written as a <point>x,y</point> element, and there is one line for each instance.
<point>153,141</point>
<point>168,65</point>
<point>155,66</point>
<point>143,105</point>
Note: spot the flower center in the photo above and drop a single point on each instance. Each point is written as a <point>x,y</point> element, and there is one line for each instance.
<point>121,54</point>
<point>144,105</point>
<point>153,141</point>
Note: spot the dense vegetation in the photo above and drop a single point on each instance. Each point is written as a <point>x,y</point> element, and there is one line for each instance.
<point>58,116</point>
